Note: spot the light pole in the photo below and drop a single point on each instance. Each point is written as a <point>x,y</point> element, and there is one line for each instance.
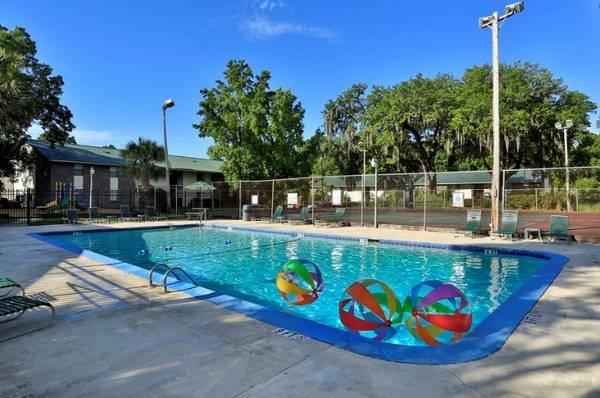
<point>565,129</point>
<point>361,145</point>
<point>374,164</point>
<point>166,105</point>
<point>92,171</point>
<point>492,22</point>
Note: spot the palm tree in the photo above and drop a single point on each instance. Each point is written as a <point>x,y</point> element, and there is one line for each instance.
<point>141,158</point>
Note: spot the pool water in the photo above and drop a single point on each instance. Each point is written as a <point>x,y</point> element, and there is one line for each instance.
<point>244,264</point>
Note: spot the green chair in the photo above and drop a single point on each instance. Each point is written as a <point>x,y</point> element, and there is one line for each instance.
<point>126,214</point>
<point>559,229</point>
<point>303,218</point>
<point>72,216</point>
<point>508,228</point>
<point>336,220</point>
<point>473,226</point>
<point>6,283</point>
<point>94,216</point>
<point>15,306</point>
<point>152,215</point>
<point>277,216</point>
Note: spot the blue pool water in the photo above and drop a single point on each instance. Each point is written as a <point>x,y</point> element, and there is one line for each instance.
<point>246,267</point>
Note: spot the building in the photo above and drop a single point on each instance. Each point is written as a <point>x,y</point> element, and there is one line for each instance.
<point>65,169</point>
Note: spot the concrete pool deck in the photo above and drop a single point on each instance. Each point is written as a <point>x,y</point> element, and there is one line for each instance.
<point>114,336</point>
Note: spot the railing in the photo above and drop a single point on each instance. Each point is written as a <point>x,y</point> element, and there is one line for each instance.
<point>169,271</point>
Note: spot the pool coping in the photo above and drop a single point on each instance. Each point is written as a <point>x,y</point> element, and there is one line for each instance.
<point>485,339</point>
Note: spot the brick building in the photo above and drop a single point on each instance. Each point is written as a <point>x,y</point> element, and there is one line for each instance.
<point>67,169</point>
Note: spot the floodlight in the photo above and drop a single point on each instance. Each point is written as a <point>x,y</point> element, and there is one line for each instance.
<point>558,125</point>
<point>168,103</point>
<point>485,21</point>
<point>374,163</point>
<point>514,8</point>
<point>569,123</point>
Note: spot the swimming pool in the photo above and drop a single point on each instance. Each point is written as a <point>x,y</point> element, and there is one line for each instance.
<point>242,264</point>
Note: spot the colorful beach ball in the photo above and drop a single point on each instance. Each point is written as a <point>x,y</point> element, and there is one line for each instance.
<point>439,313</point>
<point>370,308</point>
<point>299,282</point>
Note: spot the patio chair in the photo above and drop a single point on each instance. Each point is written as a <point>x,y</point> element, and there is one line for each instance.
<point>508,228</point>
<point>126,214</point>
<point>303,218</point>
<point>473,226</point>
<point>72,216</point>
<point>15,306</point>
<point>6,283</point>
<point>94,216</point>
<point>559,229</point>
<point>277,216</point>
<point>336,221</point>
<point>152,215</point>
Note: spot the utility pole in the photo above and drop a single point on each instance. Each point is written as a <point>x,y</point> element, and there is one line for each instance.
<point>565,129</point>
<point>492,22</point>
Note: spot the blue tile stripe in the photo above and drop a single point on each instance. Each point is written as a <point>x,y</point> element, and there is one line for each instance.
<point>488,337</point>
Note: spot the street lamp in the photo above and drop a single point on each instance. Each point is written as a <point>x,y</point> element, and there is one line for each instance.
<point>166,105</point>
<point>92,171</point>
<point>492,22</point>
<point>568,124</point>
<point>361,145</point>
<point>374,164</point>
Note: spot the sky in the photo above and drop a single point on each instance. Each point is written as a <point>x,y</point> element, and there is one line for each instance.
<point>121,59</point>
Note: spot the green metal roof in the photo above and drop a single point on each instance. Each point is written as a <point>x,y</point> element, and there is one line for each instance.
<point>88,154</point>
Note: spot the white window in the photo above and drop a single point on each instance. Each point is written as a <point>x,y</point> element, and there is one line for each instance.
<point>78,176</point>
<point>114,184</point>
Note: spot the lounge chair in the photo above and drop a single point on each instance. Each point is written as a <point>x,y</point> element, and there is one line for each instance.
<point>6,283</point>
<point>277,216</point>
<point>94,216</point>
<point>336,220</point>
<point>72,216</point>
<point>126,214</point>
<point>303,218</point>
<point>473,226</point>
<point>510,222</point>
<point>15,306</point>
<point>152,215</point>
<point>559,229</point>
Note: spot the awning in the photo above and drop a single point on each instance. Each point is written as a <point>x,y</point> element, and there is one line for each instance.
<point>199,186</point>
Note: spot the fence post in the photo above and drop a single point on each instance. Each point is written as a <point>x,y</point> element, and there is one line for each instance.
<point>240,200</point>
<point>425,204</point>
<point>176,205</point>
<point>272,196</point>
<point>503,189</point>
<point>28,204</point>
<point>312,199</point>
<point>577,200</point>
<point>536,199</point>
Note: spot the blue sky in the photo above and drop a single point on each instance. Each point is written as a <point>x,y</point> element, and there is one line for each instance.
<point>121,59</point>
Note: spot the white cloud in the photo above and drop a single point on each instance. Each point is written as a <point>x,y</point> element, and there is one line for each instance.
<point>97,137</point>
<point>270,5</point>
<point>87,136</point>
<point>263,28</point>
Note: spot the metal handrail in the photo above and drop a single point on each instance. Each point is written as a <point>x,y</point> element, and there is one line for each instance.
<point>170,271</point>
<point>150,283</point>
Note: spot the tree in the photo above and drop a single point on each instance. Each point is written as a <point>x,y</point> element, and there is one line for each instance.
<point>257,131</point>
<point>413,120</point>
<point>343,120</point>
<point>109,146</point>
<point>45,136</point>
<point>140,161</point>
<point>532,101</point>
<point>28,93</point>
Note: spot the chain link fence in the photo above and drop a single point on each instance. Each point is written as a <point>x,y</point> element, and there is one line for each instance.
<point>409,200</point>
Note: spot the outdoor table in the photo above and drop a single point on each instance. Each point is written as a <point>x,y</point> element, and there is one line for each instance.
<point>529,231</point>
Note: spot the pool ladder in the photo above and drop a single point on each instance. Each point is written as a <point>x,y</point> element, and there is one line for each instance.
<point>170,270</point>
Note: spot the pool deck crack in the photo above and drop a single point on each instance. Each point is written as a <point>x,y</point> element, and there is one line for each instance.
<point>281,371</point>
<point>465,384</point>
